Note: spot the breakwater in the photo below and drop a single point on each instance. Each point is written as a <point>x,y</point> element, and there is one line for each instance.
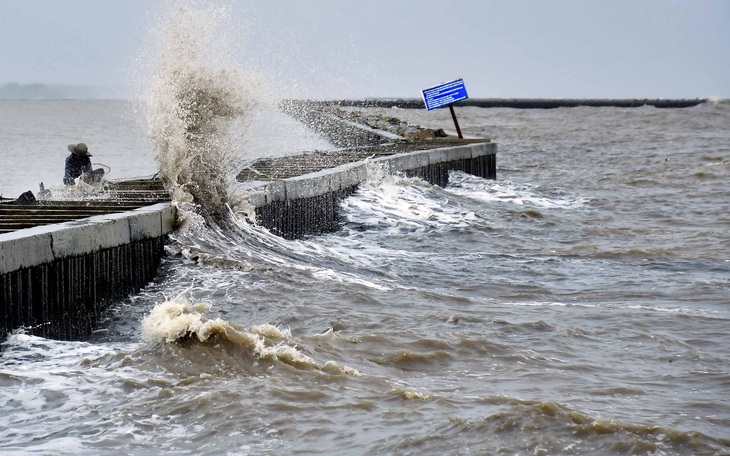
<point>63,263</point>
<point>526,103</point>
<point>297,206</point>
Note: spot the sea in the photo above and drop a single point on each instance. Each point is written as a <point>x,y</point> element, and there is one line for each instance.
<point>579,304</point>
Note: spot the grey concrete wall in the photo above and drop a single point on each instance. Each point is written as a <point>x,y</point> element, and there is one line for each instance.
<point>309,204</point>
<point>55,280</point>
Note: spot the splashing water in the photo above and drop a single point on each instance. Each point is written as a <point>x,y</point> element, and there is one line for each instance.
<point>192,105</point>
<point>179,321</point>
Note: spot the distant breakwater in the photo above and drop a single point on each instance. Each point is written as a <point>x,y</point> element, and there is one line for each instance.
<point>523,103</point>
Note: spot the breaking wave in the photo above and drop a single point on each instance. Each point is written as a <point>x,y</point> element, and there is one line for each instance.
<point>179,321</point>
<point>194,98</point>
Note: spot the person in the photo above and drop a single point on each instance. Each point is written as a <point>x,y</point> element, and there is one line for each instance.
<point>78,164</point>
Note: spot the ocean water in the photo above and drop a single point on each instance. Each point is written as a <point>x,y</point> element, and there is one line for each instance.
<point>579,304</point>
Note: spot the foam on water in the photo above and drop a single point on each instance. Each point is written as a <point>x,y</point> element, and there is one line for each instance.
<point>400,204</point>
<point>384,202</point>
<point>248,247</point>
<point>505,191</point>
<point>396,204</point>
<point>621,307</point>
<point>55,384</point>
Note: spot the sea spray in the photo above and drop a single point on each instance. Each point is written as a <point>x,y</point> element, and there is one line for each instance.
<point>193,99</point>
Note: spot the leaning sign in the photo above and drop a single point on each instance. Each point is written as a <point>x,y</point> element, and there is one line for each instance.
<point>446,94</point>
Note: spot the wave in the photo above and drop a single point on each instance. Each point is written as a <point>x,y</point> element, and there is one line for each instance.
<point>411,361</point>
<point>391,205</point>
<point>194,97</point>
<point>544,427</point>
<point>411,394</point>
<point>179,321</point>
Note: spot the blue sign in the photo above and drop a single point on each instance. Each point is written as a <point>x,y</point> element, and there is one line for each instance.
<point>445,94</point>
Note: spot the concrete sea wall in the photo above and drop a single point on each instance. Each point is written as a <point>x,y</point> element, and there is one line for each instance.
<point>309,204</point>
<point>56,280</point>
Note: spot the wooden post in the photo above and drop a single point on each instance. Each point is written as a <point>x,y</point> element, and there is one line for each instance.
<point>456,122</point>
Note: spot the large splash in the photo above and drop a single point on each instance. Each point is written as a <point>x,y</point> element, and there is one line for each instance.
<point>194,98</point>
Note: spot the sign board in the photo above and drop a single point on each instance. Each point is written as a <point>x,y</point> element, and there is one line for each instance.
<point>445,94</point>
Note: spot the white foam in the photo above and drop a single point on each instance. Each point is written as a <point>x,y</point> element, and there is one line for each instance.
<point>271,331</point>
<point>329,274</point>
<point>178,319</point>
<point>313,256</point>
<point>505,191</point>
<point>57,446</point>
<point>58,383</point>
<point>394,204</point>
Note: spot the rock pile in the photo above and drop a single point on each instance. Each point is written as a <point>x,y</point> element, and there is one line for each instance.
<point>390,124</point>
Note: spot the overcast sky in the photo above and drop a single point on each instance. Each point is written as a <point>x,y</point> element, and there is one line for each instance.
<point>395,48</point>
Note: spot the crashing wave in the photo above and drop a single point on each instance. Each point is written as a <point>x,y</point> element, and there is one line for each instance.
<point>192,103</point>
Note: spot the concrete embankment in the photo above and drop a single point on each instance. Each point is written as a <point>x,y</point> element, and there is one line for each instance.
<point>297,206</point>
<point>57,279</point>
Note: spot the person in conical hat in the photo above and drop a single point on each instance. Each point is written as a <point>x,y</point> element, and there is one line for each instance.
<point>78,164</point>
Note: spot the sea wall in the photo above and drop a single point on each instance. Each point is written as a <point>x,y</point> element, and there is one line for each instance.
<point>525,103</point>
<point>56,280</point>
<point>309,204</point>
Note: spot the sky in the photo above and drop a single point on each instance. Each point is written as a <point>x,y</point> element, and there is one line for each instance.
<point>395,48</point>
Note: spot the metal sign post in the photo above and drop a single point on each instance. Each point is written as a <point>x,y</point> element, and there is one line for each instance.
<point>456,122</point>
<point>446,94</point>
